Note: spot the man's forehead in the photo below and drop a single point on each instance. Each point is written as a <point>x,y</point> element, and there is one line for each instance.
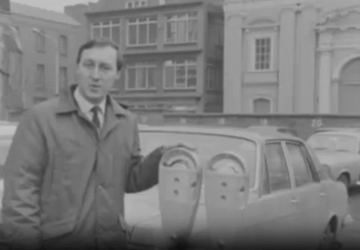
<point>104,53</point>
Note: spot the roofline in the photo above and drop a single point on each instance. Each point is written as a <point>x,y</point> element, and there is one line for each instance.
<point>146,9</point>
<point>43,19</point>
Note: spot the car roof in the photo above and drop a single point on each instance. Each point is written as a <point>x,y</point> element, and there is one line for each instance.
<point>258,135</point>
<point>339,132</point>
<point>355,129</point>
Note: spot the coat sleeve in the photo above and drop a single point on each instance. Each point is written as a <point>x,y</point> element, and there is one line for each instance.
<point>22,180</point>
<point>143,171</point>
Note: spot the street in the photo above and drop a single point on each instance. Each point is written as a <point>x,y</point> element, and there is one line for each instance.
<point>350,236</point>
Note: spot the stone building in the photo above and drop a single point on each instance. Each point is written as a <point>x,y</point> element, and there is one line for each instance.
<point>292,56</point>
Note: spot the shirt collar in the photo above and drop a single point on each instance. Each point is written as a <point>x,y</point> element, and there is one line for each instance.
<point>84,105</point>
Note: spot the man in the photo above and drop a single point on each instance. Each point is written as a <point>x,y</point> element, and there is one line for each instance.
<point>72,159</point>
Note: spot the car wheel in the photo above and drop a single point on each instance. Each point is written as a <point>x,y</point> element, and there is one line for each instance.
<point>344,179</point>
<point>328,241</point>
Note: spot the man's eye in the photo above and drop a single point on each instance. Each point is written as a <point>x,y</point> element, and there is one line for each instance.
<point>105,67</point>
<point>88,64</point>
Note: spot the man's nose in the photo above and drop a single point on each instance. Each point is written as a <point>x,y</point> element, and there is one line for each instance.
<point>95,73</point>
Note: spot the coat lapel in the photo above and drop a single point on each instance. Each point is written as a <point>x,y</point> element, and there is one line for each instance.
<point>112,116</point>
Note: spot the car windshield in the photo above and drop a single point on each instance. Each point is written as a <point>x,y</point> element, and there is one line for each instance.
<point>334,142</point>
<point>207,145</point>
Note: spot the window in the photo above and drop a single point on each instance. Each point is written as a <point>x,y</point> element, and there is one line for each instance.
<point>140,76</point>
<point>142,31</point>
<point>180,74</point>
<point>63,45</point>
<point>109,29</point>
<point>136,4</point>
<point>261,105</point>
<point>40,42</point>
<point>63,81</point>
<point>181,28</point>
<point>278,177</point>
<point>213,76</point>
<point>299,164</point>
<point>40,75</point>
<point>263,53</point>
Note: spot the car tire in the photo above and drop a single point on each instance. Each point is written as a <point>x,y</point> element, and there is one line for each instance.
<point>345,180</point>
<point>328,241</point>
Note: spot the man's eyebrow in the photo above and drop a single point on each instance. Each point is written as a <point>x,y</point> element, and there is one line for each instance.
<point>105,64</point>
<point>88,60</point>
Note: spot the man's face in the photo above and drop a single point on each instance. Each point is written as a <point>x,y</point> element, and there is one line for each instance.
<point>97,72</point>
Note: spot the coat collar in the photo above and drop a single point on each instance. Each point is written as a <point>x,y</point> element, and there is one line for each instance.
<point>67,103</point>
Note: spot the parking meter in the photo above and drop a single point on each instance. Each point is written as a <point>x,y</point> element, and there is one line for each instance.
<point>179,192</point>
<point>226,194</point>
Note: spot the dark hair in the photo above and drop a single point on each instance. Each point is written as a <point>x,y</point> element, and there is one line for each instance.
<point>100,42</point>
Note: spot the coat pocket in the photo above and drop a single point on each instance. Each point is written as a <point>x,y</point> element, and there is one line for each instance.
<point>58,228</point>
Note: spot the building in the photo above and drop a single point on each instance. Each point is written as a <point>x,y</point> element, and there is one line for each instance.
<point>49,44</point>
<point>292,56</point>
<point>172,51</point>
<point>9,46</point>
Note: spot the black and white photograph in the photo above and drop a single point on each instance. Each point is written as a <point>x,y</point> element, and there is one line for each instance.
<point>179,124</point>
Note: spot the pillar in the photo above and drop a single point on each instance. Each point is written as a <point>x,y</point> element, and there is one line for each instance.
<point>325,72</point>
<point>286,60</point>
<point>232,62</point>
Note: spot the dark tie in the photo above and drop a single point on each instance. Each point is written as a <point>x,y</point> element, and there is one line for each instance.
<point>95,110</point>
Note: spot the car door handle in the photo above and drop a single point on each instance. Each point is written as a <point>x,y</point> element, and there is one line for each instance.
<point>322,194</point>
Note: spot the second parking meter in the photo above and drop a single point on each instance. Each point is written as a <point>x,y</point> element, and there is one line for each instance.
<point>179,192</point>
<point>226,194</point>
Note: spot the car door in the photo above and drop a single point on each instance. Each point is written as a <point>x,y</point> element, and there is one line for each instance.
<point>309,193</point>
<point>276,210</point>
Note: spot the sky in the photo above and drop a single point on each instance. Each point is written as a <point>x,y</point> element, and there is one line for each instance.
<point>55,5</point>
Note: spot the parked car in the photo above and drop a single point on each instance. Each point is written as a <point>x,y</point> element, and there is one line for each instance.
<point>236,188</point>
<point>228,187</point>
<point>340,150</point>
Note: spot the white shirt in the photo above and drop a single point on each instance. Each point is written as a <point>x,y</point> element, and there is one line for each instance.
<point>86,106</point>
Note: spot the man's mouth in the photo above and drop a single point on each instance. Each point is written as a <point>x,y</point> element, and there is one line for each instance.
<point>94,87</point>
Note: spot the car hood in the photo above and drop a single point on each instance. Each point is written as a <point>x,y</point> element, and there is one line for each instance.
<point>332,158</point>
<point>142,214</point>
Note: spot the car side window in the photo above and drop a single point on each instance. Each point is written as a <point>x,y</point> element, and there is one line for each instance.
<point>299,163</point>
<point>277,170</point>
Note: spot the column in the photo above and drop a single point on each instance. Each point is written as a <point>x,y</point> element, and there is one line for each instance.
<point>2,106</point>
<point>325,73</point>
<point>305,89</point>
<point>286,60</point>
<point>232,62</point>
